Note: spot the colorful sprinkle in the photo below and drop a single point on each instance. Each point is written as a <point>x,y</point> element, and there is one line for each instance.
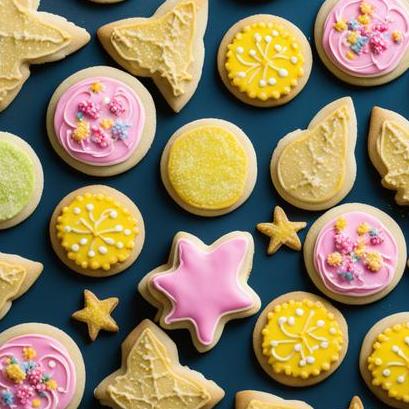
<point>120,130</point>
<point>341,25</point>
<point>89,109</point>
<point>96,87</point>
<point>340,224</point>
<point>82,131</point>
<point>29,353</point>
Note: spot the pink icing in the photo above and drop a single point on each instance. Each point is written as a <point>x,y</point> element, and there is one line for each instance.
<point>205,285</point>
<point>52,361</point>
<point>361,280</point>
<point>100,146</point>
<point>377,51</point>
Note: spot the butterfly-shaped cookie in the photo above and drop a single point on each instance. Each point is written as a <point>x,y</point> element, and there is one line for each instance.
<point>314,169</point>
<point>17,275</point>
<point>151,376</point>
<point>388,145</point>
<point>31,37</point>
<point>167,47</point>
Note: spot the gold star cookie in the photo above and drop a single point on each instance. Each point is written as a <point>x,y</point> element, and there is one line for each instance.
<point>31,37</point>
<point>97,314</point>
<point>356,403</point>
<point>281,231</point>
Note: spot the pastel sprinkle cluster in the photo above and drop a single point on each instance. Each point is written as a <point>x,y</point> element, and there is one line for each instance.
<point>106,130</point>
<point>351,255</point>
<point>30,381</point>
<point>365,37</point>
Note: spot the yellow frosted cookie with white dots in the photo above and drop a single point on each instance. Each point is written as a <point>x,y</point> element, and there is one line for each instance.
<point>97,231</point>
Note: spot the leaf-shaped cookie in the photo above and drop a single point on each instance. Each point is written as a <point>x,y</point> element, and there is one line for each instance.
<point>356,403</point>
<point>152,378</point>
<point>17,275</point>
<point>31,37</point>
<point>388,145</point>
<point>315,168</point>
<point>262,400</point>
<point>167,47</point>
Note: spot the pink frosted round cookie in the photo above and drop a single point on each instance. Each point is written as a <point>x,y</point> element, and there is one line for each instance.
<point>40,367</point>
<point>355,253</point>
<point>364,42</point>
<point>101,121</point>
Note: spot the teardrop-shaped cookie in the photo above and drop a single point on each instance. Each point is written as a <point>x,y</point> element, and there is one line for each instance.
<point>314,169</point>
<point>388,146</point>
<point>356,403</point>
<point>17,275</point>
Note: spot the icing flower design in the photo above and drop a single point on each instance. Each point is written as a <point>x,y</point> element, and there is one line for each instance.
<point>366,37</point>
<point>99,121</point>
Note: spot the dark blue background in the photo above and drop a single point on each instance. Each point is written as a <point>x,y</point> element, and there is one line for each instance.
<point>231,363</point>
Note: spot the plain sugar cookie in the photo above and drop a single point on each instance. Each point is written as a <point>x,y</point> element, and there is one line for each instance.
<point>262,400</point>
<point>97,231</point>
<point>300,339</point>
<point>355,253</point>
<point>314,169</point>
<point>209,167</point>
<point>21,180</point>
<point>41,367</point>
<point>264,60</point>
<point>384,360</point>
<point>364,42</point>
<point>101,121</point>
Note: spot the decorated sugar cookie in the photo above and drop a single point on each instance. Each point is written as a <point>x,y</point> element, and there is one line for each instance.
<point>314,169</point>
<point>281,232</point>
<point>209,167</point>
<point>203,287</point>
<point>17,275</point>
<point>40,367</point>
<point>31,37</point>
<point>355,253</point>
<point>97,314</point>
<point>300,339</point>
<point>265,60</point>
<point>388,141</point>
<point>97,231</point>
<point>364,42</point>
<point>384,360</point>
<point>101,121</point>
<point>262,400</point>
<point>168,47</point>
<point>21,180</point>
<point>148,353</point>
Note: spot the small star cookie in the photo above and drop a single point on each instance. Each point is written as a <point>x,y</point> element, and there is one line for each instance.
<point>356,403</point>
<point>281,232</point>
<point>97,314</point>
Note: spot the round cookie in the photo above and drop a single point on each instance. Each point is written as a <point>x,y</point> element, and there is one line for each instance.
<point>355,253</point>
<point>41,367</point>
<point>101,121</point>
<point>209,167</point>
<point>21,180</point>
<point>384,360</point>
<point>106,1</point>
<point>97,231</point>
<point>366,42</point>
<point>264,60</point>
<point>300,339</point>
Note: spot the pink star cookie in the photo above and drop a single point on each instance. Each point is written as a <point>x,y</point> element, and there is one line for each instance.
<point>203,287</point>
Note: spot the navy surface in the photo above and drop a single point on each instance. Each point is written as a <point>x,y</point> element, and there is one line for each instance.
<point>231,363</point>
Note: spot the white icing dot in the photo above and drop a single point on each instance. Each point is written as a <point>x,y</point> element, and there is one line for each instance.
<point>262,83</point>
<point>274,344</point>
<point>278,47</point>
<point>395,348</point>
<point>51,364</point>
<point>302,363</point>
<point>275,33</point>
<point>127,232</point>
<point>332,331</point>
<point>102,250</point>
<point>239,50</point>
<point>60,389</point>
<point>83,241</point>
<point>320,323</point>
<point>89,207</point>
<point>113,214</point>
<point>310,359</point>
<point>241,74</point>
<point>109,240</point>
<point>91,253</point>
<point>257,37</point>
<point>282,72</point>
<point>294,60</point>
<point>407,340</point>
<point>253,53</point>
<point>282,320</point>
<point>297,347</point>
<point>400,379</point>
<point>119,227</point>
<point>386,373</point>
<point>299,312</point>
<point>324,344</point>
<point>272,81</point>
<point>75,247</point>
<point>120,245</point>
<point>67,229</point>
<point>268,39</point>
<point>291,321</point>
<point>76,210</point>
<point>107,100</point>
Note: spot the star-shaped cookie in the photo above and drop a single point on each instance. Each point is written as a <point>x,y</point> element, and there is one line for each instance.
<point>97,314</point>
<point>203,287</point>
<point>17,275</point>
<point>152,377</point>
<point>31,37</point>
<point>281,232</point>
<point>356,403</point>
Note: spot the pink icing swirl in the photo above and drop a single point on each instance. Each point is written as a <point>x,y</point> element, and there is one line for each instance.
<point>99,121</point>
<point>354,275</point>
<point>371,44</point>
<point>44,373</point>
